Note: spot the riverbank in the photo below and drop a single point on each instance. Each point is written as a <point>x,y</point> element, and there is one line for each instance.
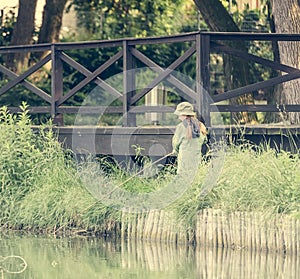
<point>215,228</point>
<point>253,200</point>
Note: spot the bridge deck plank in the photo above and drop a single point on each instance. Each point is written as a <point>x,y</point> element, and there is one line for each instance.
<point>156,140</point>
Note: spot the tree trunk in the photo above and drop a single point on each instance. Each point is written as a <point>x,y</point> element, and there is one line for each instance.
<point>271,92</point>
<point>52,22</point>
<point>286,16</point>
<point>22,33</point>
<point>236,72</point>
<point>216,16</point>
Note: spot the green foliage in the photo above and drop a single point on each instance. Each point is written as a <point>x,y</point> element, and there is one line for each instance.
<point>115,19</point>
<point>256,21</point>
<point>7,21</point>
<point>27,159</point>
<point>40,186</point>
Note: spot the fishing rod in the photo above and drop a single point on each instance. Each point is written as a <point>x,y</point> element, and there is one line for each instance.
<point>128,179</point>
<point>142,170</point>
<point>118,186</point>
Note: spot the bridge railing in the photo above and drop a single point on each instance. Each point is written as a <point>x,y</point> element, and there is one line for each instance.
<point>128,54</point>
<point>216,42</point>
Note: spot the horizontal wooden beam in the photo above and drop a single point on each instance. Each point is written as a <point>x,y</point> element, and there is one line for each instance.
<point>113,109</point>
<point>89,109</point>
<point>25,48</point>
<point>246,36</point>
<point>159,109</point>
<point>146,109</point>
<point>255,108</point>
<point>32,110</point>
<point>184,37</point>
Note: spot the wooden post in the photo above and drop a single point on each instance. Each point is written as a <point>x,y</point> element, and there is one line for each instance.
<point>129,119</point>
<point>56,85</point>
<point>203,75</point>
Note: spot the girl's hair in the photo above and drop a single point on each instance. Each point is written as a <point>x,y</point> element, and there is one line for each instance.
<point>194,125</point>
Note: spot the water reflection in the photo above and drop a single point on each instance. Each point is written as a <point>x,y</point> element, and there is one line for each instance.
<point>48,257</point>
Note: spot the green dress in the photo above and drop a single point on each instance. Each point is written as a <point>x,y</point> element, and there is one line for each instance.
<point>188,150</point>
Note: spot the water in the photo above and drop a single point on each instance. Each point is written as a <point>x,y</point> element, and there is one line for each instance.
<point>80,257</point>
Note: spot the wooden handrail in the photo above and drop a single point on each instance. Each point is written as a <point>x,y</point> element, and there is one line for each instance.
<point>201,44</point>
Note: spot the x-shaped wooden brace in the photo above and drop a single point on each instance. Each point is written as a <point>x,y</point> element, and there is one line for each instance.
<point>20,79</point>
<point>292,73</point>
<point>90,76</point>
<point>164,74</point>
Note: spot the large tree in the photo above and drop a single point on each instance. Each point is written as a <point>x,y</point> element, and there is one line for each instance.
<point>216,16</point>
<point>286,17</point>
<point>52,21</point>
<point>236,71</point>
<point>25,26</point>
<point>22,33</point>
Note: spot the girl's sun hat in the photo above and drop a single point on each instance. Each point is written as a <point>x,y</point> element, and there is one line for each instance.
<point>185,108</point>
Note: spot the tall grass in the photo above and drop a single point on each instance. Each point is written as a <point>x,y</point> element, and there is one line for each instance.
<point>258,179</point>
<point>41,187</point>
<point>261,180</point>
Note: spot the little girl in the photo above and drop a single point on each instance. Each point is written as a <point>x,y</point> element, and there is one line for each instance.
<point>188,139</point>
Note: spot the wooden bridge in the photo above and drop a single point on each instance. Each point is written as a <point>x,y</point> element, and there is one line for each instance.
<point>125,87</point>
